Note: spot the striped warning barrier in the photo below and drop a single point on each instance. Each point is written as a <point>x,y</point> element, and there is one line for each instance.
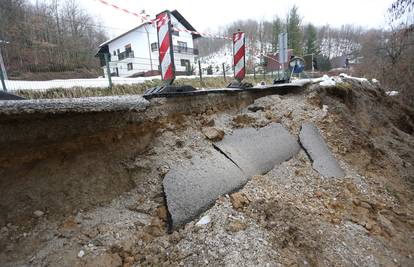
<point>239,59</point>
<point>166,56</point>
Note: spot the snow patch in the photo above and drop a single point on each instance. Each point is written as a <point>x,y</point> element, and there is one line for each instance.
<point>329,81</point>
<point>344,75</point>
<point>392,93</point>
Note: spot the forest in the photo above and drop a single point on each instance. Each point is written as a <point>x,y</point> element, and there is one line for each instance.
<point>48,36</point>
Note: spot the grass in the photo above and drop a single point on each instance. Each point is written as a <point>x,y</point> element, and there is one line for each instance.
<point>75,92</point>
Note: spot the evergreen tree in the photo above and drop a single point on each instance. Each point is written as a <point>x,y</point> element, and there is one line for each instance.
<point>294,31</point>
<point>277,29</point>
<point>311,36</point>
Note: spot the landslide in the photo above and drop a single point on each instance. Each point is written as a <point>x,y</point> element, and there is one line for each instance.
<point>291,216</point>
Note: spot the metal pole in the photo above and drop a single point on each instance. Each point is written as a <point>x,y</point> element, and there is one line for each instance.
<point>224,72</point>
<point>108,71</point>
<point>199,71</point>
<point>2,67</point>
<point>2,81</point>
<point>3,74</point>
<point>254,72</point>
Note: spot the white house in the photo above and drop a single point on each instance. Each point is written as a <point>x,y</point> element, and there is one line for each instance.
<point>135,53</point>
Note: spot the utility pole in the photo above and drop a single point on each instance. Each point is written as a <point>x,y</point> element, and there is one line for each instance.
<point>108,69</point>
<point>149,46</point>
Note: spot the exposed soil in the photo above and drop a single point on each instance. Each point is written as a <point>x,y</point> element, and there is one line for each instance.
<point>290,216</point>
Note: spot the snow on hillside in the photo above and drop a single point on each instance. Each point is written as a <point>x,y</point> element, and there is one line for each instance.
<point>225,55</point>
<point>216,60</point>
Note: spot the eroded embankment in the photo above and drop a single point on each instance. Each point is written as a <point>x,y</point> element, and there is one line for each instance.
<point>291,215</point>
<point>60,156</point>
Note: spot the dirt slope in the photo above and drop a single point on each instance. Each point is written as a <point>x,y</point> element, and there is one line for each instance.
<point>290,216</point>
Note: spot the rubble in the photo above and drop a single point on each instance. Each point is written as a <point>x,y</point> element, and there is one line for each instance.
<point>288,215</point>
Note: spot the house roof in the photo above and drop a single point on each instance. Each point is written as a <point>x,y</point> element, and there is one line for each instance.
<point>175,13</point>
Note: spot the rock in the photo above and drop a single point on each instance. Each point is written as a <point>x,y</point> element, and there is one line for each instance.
<point>163,170</point>
<point>204,220</point>
<point>255,108</point>
<point>239,200</point>
<point>162,213</point>
<point>269,115</point>
<point>81,253</point>
<point>129,261</point>
<point>38,213</point>
<point>236,226</point>
<point>156,228</point>
<point>213,133</point>
<point>336,220</point>
<point>386,225</point>
<point>241,120</point>
<point>209,123</point>
<point>318,194</point>
<point>369,225</point>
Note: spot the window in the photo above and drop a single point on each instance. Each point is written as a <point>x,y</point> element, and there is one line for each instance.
<point>176,33</point>
<point>128,48</point>
<point>182,46</point>
<point>114,53</point>
<point>129,66</point>
<point>185,62</point>
<point>154,47</point>
<point>117,51</point>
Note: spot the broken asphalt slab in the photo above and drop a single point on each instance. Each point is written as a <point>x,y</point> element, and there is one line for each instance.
<point>74,105</point>
<point>322,159</point>
<point>191,187</point>
<point>257,151</point>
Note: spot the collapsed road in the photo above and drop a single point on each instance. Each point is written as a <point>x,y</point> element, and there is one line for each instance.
<point>190,189</point>
<point>84,185</point>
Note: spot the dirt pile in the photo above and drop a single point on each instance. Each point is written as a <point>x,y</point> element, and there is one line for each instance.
<point>289,216</point>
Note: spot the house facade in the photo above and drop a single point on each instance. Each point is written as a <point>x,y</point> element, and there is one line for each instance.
<point>135,53</point>
<point>272,61</point>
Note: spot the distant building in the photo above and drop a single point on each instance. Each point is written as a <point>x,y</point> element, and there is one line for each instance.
<point>345,61</point>
<point>338,62</point>
<point>272,61</point>
<point>135,53</point>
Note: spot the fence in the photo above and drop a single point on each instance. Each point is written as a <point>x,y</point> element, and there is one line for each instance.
<point>128,70</point>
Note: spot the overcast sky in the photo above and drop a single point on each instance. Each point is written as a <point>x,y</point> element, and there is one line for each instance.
<point>211,14</point>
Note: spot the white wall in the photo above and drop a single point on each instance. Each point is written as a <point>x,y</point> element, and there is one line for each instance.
<point>140,44</point>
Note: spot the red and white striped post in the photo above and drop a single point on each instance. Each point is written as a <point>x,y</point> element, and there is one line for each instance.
<point>165,44</point>
<point>239,59</point>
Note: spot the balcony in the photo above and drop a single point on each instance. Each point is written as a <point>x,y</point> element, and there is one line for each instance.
<point>125,54</point>
<point>185,50</point>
